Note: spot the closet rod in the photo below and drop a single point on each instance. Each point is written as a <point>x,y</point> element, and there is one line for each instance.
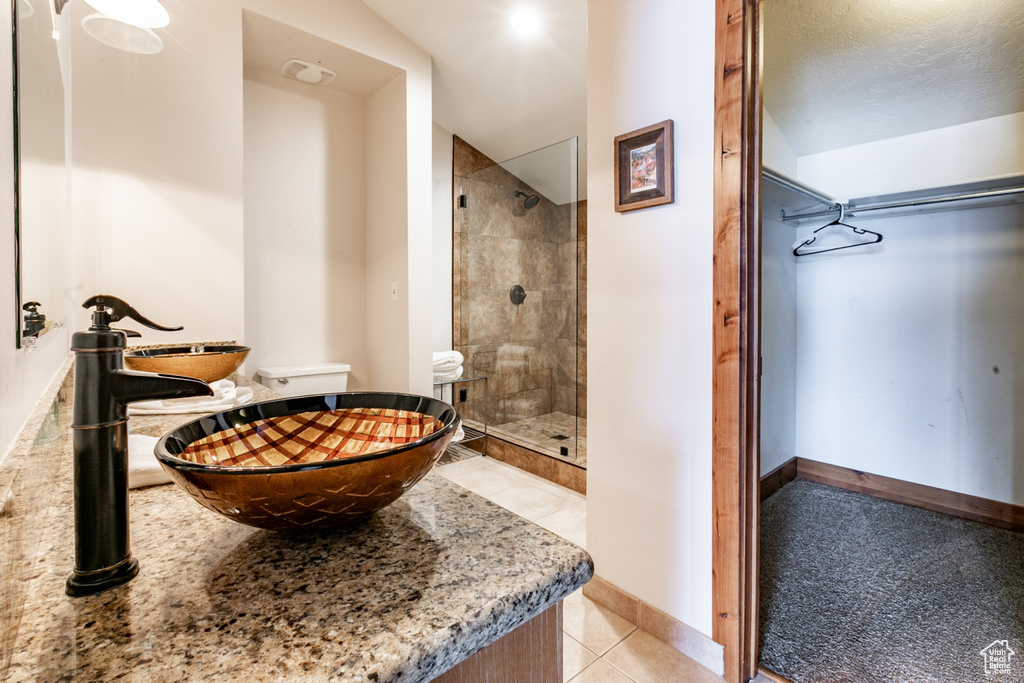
<point>796,186</point>
<point>944,199</point>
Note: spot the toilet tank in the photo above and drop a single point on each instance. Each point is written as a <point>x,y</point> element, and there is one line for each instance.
<point>301,380</point>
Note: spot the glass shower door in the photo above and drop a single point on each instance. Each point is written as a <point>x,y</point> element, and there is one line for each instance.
<point>517,256</point>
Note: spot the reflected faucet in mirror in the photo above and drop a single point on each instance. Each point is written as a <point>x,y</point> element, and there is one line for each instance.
<point>103,390</point>
<point>35,322</point>
<point>42,236</point>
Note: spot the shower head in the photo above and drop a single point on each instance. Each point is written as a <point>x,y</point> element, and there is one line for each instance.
<point>531,201</point>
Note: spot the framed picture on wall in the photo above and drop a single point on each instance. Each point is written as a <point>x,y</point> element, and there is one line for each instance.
<point>644,167</point>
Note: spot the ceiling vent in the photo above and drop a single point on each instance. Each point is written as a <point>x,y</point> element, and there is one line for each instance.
<point>313,74</point>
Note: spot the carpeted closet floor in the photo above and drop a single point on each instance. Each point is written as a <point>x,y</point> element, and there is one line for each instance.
<point>863,590</point>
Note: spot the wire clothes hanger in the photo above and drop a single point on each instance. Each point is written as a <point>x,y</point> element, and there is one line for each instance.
<point>809,240</point>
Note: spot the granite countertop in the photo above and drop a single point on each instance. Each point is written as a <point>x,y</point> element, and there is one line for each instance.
<point>401,596</point>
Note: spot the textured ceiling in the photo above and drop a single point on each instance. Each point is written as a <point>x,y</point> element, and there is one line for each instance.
<point>844,72</point>
<point>503,93</point>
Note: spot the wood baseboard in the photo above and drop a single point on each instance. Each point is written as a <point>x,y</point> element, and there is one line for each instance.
<point>984,510</point>
<point>991,512</point>
<point>769,676</point>
<point>665,628</point>
<point>552,469</point>
<point>777,478</point>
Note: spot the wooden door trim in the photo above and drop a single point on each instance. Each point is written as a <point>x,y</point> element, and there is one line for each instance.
<point>736,329</point>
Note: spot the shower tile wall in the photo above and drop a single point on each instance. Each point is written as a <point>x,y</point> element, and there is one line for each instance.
<point>527,352</point>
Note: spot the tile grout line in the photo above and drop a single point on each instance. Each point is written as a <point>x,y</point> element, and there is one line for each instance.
<point>565,634</point>
<point>614,668</point>
<point>554,512</point>
<point>482,495</point>
<point>548,514</point>
<point>618,669</point>
<point>621,640</point>
<point>587,647</point>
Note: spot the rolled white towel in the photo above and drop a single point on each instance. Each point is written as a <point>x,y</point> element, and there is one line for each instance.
<point>447,360</point>
<point>447,375</point>
<point>143,467</point>
<point>225,396</point>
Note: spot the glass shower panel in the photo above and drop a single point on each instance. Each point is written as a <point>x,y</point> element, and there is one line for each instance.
<point>518,260</point>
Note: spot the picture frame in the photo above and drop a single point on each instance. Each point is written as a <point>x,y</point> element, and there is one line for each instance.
<point>644,167</point>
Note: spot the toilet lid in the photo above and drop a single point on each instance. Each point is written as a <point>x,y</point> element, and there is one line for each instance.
<point>278,371</point>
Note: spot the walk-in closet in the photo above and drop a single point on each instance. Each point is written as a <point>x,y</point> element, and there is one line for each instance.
<point>892,341</point>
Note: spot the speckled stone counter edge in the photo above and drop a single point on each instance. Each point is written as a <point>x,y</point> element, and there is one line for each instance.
<point>23,497</point>
<point>422,660</point>
<point>27,436</point>
<point>503,618</point>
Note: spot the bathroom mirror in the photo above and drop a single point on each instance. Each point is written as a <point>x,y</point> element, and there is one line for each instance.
<point>41,173</point>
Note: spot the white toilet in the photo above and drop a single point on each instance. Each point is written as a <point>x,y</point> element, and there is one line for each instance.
<point>301,380</point>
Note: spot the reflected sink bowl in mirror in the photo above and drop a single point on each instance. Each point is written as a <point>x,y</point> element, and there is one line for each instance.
<point>308,461</point>
<point>206,362</point>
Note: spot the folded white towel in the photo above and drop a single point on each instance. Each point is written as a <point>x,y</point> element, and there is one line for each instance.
<point>143,467</point>
<point>447,360</point>
<point>225,396</point>
<point>460,434</point>
<point>447,375</point>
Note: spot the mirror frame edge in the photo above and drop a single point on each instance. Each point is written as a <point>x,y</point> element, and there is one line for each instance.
<point>17,173</point>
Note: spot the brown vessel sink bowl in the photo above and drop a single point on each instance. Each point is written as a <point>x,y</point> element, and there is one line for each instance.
<point>308,461</point>
<point>208,363</point>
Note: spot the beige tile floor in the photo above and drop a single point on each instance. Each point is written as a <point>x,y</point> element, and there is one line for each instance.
<point>598,646</point>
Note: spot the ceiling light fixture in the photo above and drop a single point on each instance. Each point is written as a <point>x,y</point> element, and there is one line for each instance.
<point>310,74</point>
<point>314,74</point>
<point>140,13</point>
<point>122,36</point>
<point>525,21</point>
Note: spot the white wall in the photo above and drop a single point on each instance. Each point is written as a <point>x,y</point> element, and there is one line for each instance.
<point>305,225</point>
<point>387,251</point>
<point>778,344</point>
<point>354,25</point>
<point>778,313</point>
<point>650,307</point>
<point>934,158</point>
<point>442,261</point>
<point>776,153</point>
<point>912,353</point>
<point>158,194</point>
<point>908,354</point>
<point>24,375</point>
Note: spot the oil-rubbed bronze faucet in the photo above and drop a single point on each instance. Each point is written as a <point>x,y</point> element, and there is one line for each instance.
<point>103,390</point>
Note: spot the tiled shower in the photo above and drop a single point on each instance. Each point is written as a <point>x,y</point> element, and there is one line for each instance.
<point>509,232</point>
